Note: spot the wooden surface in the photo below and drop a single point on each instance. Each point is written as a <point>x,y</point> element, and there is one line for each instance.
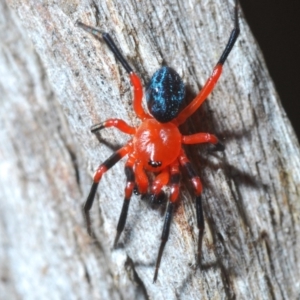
<point>56,81</point>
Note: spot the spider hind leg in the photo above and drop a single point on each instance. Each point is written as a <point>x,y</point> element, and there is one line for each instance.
<point>104,167</point>
<point>130,184</point>
<point>195,180</point>
<point>174,183</point>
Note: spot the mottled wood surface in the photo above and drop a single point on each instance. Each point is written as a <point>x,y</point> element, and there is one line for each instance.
<point>56,81</point>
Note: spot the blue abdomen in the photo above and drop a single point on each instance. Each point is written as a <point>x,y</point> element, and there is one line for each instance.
<point>165,94</point>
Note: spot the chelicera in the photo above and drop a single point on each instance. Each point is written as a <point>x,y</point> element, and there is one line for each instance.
<point>156,145</point>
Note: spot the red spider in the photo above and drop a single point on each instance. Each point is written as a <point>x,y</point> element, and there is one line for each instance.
<point>156,145</point>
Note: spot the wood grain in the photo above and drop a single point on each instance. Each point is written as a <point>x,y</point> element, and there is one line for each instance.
<point>56,81</point>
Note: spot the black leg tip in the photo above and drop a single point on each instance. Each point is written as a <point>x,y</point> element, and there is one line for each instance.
<point>87,218</point>
<point>199,252</point>
<point>155,276</point>
<point>97,127</point>
<point>218,147</point>
<point>116,239</point>
<point>136,190</point>
<point>158,199</point>
<point>199,260</point>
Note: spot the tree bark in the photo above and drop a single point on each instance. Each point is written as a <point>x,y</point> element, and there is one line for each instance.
<point>56,81</point>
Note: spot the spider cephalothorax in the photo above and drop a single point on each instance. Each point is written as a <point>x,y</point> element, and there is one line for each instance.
<point>156,145</point>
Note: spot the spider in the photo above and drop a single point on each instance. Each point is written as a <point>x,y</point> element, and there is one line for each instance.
<point>156,145</point>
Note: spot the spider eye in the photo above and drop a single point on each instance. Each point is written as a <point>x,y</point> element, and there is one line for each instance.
<point>165,94</point>
<point>154,164</point>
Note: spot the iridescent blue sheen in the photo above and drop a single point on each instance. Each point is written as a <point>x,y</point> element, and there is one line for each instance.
<point>165,94</point>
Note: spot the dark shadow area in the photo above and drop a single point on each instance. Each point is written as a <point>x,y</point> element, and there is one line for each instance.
<point>276,27</point>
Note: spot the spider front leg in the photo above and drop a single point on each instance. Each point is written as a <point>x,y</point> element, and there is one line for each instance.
<point>194,178</point>
<point>174,181</point>
<point>134,78</point>
<point>111,161</point>
<point>217,71</point>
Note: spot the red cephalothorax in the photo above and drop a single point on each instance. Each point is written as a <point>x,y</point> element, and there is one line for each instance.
<point>156,145</point>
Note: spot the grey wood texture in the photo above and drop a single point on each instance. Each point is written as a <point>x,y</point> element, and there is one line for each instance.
<point>56,81</point>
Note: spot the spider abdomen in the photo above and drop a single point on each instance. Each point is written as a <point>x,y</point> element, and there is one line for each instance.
<point>165,94</point>
<point>156,144</point>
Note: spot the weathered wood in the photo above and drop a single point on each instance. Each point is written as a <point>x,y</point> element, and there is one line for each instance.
<point>56,81</point>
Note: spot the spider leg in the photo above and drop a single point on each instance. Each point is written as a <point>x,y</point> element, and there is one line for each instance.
<point>117,123</point>
<point>212,80</point>
<point>134,78</point>
<point>141,179</point>
<point>174,181</point>
<point>201,137</point>
<point>194,178</point>
<point>111,161</point>
<point>160,181</point>
<point>130,182</point>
